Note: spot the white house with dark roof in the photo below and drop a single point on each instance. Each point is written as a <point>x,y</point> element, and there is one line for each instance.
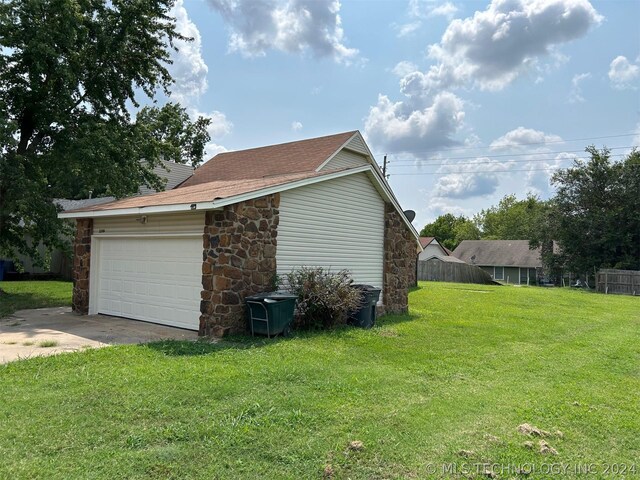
<point>431,247</point>
<point>508,261</point>
<point>187,257</point>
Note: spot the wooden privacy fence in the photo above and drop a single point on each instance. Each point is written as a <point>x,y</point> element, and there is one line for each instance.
<point>623,282</point>
<point>435,270</point>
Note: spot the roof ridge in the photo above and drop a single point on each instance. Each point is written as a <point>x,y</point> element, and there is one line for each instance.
<point>352,132</point>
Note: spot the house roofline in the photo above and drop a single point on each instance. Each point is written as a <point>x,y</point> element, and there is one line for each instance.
<point>223,202</point>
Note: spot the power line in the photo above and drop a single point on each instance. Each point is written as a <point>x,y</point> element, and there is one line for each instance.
<point>486,172</point>
<point>415,164</point>
<point>515,155</point>
<point>519,144</point>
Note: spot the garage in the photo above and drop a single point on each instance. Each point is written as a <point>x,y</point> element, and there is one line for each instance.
<point>188,257</point>
<point>148,269</point>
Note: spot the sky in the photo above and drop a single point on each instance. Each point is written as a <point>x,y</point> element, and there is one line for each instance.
<point>469,101</point>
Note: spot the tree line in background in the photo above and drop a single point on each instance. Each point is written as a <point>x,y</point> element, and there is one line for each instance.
<point>594,218</point>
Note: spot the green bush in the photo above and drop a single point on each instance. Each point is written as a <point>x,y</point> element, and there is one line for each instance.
<point>325,298</point>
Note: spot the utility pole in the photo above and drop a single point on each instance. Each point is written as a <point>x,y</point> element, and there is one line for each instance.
<point>384,167</point>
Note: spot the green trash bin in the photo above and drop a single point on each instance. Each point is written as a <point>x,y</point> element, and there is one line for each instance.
<point>270,313</point>
<point>365,316</point>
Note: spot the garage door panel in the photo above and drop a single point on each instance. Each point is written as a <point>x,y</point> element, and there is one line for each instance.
<point>152,279</point>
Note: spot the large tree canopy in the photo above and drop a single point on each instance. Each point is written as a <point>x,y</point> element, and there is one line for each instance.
<point>451,230</point>
<point>594,215</point>
<point>69,73</point>
<point>511,219</point>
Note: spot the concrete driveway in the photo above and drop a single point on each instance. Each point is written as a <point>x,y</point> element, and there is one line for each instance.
<point>47,331</point>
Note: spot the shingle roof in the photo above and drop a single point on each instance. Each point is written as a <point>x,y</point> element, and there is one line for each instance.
<point>424,241</point>
<point>70,205</point>
<point>235,173</point>
<point>204,192</point>
<point>444,258</point>
<point>285,158</point>
<point>506,253</point>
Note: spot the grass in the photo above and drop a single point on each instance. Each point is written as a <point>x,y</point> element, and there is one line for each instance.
<point>462,371</point>
<point>48,343</point>
<point>33,294</point>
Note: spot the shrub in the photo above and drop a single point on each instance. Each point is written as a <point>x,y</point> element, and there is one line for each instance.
<point>325,298</point>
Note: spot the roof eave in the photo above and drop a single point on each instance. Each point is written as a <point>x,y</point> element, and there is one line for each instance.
<point>383,188</point>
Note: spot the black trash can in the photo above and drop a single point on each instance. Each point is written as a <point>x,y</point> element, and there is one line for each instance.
<point>270,313</point>
<point>365,316</point>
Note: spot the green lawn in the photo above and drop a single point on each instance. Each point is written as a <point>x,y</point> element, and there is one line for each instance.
<point>33,294</point>
<point>461,372</point>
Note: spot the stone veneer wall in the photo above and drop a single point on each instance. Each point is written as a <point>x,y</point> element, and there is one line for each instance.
<point>400,257</point>
<point>239,259</point>
<point>81,265</point>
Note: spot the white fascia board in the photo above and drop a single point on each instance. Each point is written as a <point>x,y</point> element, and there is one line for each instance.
<point>116,212</point>
<point>383,189</point>
<point>212,205</point>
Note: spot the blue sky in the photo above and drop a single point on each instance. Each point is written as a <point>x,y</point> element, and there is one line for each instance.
<point>470,100</point>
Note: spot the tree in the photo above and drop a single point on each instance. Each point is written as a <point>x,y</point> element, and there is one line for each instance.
<point>451,230</point>
<point>511,219</point>
<point>594,215</point>
<point>69,73</point>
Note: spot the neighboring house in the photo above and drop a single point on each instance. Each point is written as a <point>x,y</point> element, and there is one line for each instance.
<point>60,264</point>
<point>187,257</point>
<point>508,261</point>
<point>173,173</point>
<point>431,247</point>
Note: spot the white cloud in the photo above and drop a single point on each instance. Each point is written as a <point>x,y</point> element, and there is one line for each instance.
<point>437,206</point>
<point>575,96</point>
<point>636,138</point>
<point>497,45</point>
<point>404,68</point>
<point>460,185</point>
<point>296,126</point>
<point>218,128</point>
<point>292,26</point>
<point>189,69</point>
<point>408,28</point>
<point>447,10</point>
<point>470,179</point>
<point>414,127</point>
<point>523,137</point>
<point>538,176</point>
<point>420,10</point>
<point>624,74</point>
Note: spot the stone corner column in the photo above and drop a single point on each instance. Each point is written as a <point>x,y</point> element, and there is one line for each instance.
<point>81,265</point>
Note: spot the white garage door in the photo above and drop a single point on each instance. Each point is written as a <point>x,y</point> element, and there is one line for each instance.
<point>152,279</point>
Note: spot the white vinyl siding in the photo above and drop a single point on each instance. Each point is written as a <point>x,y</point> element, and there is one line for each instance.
<point>177,173</point>
<point>148,271</point>
<point>159,224</point>
<point>357,144</point>
<point>345,159</point>
<point>432,249</point>
<point>335,224</point>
